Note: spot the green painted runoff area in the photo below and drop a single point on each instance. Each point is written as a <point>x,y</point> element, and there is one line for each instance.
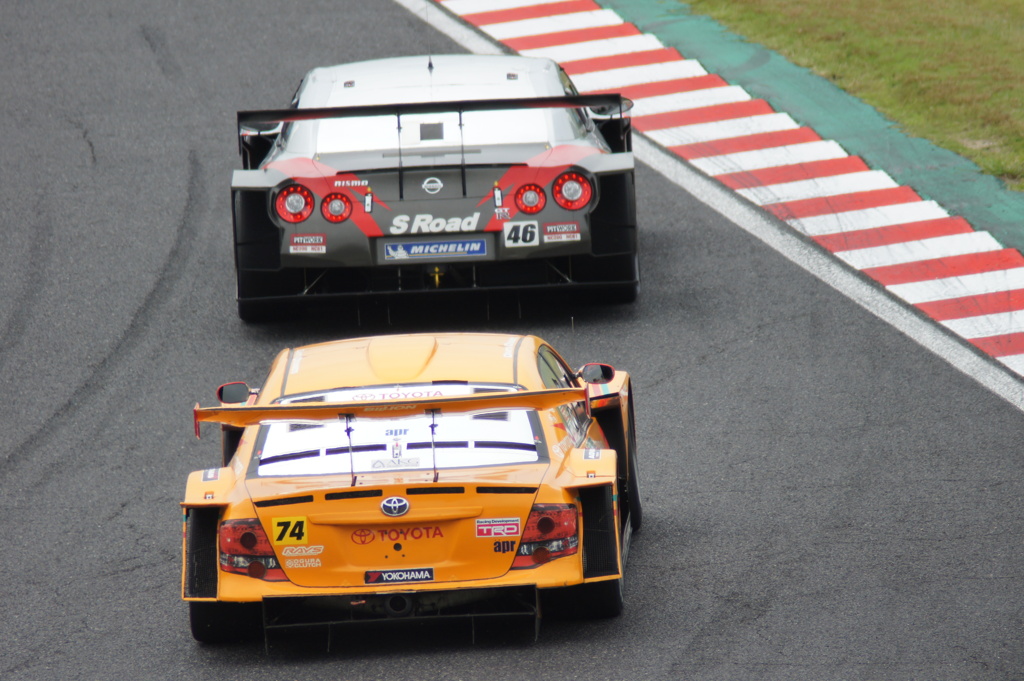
<point>957,184</point>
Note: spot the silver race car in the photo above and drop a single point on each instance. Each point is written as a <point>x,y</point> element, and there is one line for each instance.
<point>425,174</point>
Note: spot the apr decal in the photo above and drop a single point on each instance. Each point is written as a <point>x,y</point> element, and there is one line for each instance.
<point>505,546</point>
<point>308,243</point>
<point>290,530</point>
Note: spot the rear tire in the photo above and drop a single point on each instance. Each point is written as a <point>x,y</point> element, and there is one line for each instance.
<point>635,498</point>
<point>213,622</point>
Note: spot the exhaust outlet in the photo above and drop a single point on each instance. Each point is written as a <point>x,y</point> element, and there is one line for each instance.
<point>398,605</point>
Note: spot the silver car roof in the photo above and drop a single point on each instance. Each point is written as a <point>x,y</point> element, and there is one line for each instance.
<point>411,79</point>
<point>437,78</point>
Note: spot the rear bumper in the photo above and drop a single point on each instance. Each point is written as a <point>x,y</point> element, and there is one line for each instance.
<point>314,287</point>
<point>288,612</point>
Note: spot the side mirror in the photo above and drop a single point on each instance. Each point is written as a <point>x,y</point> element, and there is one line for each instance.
<point>233,393</point>
<point>595,373</point>
<point>611,109</point>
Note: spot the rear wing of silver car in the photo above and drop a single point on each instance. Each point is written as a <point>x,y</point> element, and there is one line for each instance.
<point>611,109</point>
<point>602,105</point>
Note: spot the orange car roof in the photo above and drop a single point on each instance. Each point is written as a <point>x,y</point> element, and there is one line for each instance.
<point>397,359</point>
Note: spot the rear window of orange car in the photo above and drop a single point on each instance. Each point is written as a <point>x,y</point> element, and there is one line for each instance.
<point>369,445</point>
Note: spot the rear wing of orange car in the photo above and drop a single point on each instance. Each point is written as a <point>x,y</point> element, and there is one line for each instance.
<point>251,415</point>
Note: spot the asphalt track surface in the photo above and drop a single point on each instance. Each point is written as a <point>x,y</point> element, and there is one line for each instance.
<point>825,499</point>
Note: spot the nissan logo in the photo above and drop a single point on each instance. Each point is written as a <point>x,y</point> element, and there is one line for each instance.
<point>432,185</point>
<point>394,506</point>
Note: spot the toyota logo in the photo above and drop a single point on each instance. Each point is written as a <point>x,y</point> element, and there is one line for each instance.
<point>394,506</point>
<point>362,536</point>
<point>432,185</point>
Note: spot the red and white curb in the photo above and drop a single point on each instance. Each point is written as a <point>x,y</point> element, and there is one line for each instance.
<point>961,277</point>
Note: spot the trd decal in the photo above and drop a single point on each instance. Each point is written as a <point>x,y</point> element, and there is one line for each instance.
<point>498,527</point>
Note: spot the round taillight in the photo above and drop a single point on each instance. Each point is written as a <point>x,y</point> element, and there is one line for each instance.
<point>336,207</point>
<point>530,199</point>
<point>572,191</point>
<point>256,569</point>
<point>540,556</point>
<point>546,524</point>
<point>294,203</point>
<point>248,540</point>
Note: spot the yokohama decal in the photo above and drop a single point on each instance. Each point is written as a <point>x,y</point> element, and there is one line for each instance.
<point>399,576</point>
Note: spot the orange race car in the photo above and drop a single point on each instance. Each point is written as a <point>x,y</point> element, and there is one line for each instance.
<point>416,476</point>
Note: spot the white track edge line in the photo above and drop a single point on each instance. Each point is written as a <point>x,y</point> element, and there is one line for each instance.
<point>827,269</point>
<point>778,237</point>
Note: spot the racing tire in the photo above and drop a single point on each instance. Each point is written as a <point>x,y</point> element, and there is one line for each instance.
<point>635,497</point>
<point>225,622</point>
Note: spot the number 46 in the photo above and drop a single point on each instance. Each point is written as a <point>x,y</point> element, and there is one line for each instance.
<point>519,234</point>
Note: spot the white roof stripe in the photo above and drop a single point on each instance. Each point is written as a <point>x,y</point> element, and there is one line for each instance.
<point>818,187</point>
<point>597,48</point>
<point>694,99</point>
<point>919,292</point>
<point>638,75</point>
<point>925,249</point>
<point>987,325</point>
<point>720,130</point>
<point>869,218</point>
<point>555,24</point>
<point>463,7</point>
<point>1014,362</point>
<point>759,159</point>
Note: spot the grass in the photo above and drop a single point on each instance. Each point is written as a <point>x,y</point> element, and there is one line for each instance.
<point>949,71</point>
